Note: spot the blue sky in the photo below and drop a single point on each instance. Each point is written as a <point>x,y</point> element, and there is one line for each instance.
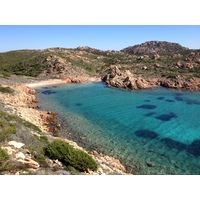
<point>104,37</point>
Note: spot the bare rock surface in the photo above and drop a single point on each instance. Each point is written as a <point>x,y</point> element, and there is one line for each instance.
<point>125,79</point>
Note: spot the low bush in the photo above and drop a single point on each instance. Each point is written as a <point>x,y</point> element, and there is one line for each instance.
<point>3,156</point>
<point>69,156</point>
<point>41,159</point>
<point>6,89</point>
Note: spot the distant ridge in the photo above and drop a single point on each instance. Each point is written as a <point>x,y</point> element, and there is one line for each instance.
<point>152,47</point>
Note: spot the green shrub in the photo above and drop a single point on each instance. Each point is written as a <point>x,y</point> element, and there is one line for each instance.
<point>3,156</point>
<point>31,126</point>
<point>69,156</point>
<point>6,130</point>
<point>44,139</point>
<point>41,159</point>
<point>6,90</point>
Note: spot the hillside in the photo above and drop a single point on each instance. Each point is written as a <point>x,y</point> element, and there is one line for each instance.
<point>149,60</point>
<point>155,47</point>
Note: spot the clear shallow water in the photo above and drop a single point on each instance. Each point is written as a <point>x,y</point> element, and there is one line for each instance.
<point>149,131</point>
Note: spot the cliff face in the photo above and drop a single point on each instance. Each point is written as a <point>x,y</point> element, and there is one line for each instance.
<point>154,47</point>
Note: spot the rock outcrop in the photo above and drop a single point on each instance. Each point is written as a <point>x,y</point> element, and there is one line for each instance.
<point>23,103</point>
<point>193,84</point>
<point>19,154</point>
<point>60,68</point>
<point>126,80</point>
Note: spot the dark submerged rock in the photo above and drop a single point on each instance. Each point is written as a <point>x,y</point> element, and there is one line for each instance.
<point>79,104</point>
<point>169,100</point>
<point>178,98</point>
<point>146,106</point>
<point>166,117</point>
<point>160,98</point>
<point>172,144</point>
<point>48,92</point>
<point>194,148</point>
<point>192,101</point>
<point>146,134</point>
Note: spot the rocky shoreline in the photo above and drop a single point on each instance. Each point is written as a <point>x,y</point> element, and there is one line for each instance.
<point>127,80</point>
<point>24,104</point>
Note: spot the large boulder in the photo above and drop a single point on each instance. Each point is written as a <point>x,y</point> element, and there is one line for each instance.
<point>125,79</point>
<point>17,145</point>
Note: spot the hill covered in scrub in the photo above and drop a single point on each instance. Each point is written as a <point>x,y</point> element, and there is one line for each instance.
<point>150,59</point>
<point>153,47</point>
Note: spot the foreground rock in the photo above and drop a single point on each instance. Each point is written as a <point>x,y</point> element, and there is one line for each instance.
<point>20,156</point>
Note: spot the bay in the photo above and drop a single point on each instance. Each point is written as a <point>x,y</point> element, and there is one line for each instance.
<point>150,131</point>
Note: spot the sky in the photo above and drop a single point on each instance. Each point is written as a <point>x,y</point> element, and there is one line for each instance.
<point>103,37</point>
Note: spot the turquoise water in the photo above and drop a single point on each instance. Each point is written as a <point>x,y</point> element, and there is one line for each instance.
<point>150,131</point>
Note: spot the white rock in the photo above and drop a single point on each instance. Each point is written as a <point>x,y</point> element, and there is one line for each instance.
<point>20,155</point>
<point>16,144</point>
<point>30,163</point>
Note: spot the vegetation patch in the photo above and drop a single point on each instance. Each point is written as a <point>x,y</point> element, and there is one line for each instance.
<point>12,124</point>
<point>69,156</point>
<point>6,90</point>
<point>3,156</point>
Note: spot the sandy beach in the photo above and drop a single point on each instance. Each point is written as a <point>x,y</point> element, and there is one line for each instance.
<point>53,82</point>
<point>49,82</point>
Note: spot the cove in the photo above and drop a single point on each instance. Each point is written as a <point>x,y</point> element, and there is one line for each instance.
<point>150,131</point>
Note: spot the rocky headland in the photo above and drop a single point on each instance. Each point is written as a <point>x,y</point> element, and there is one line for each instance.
<point>127,80</point>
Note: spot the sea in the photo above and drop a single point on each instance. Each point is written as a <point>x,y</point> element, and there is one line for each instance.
<point>151,132</point>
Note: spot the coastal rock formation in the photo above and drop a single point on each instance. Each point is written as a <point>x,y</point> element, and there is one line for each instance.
<point>50,121</point>
<point>24,97</point>
<point>23,103</point>
<point>125,80</point>
<point>179,83</point>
